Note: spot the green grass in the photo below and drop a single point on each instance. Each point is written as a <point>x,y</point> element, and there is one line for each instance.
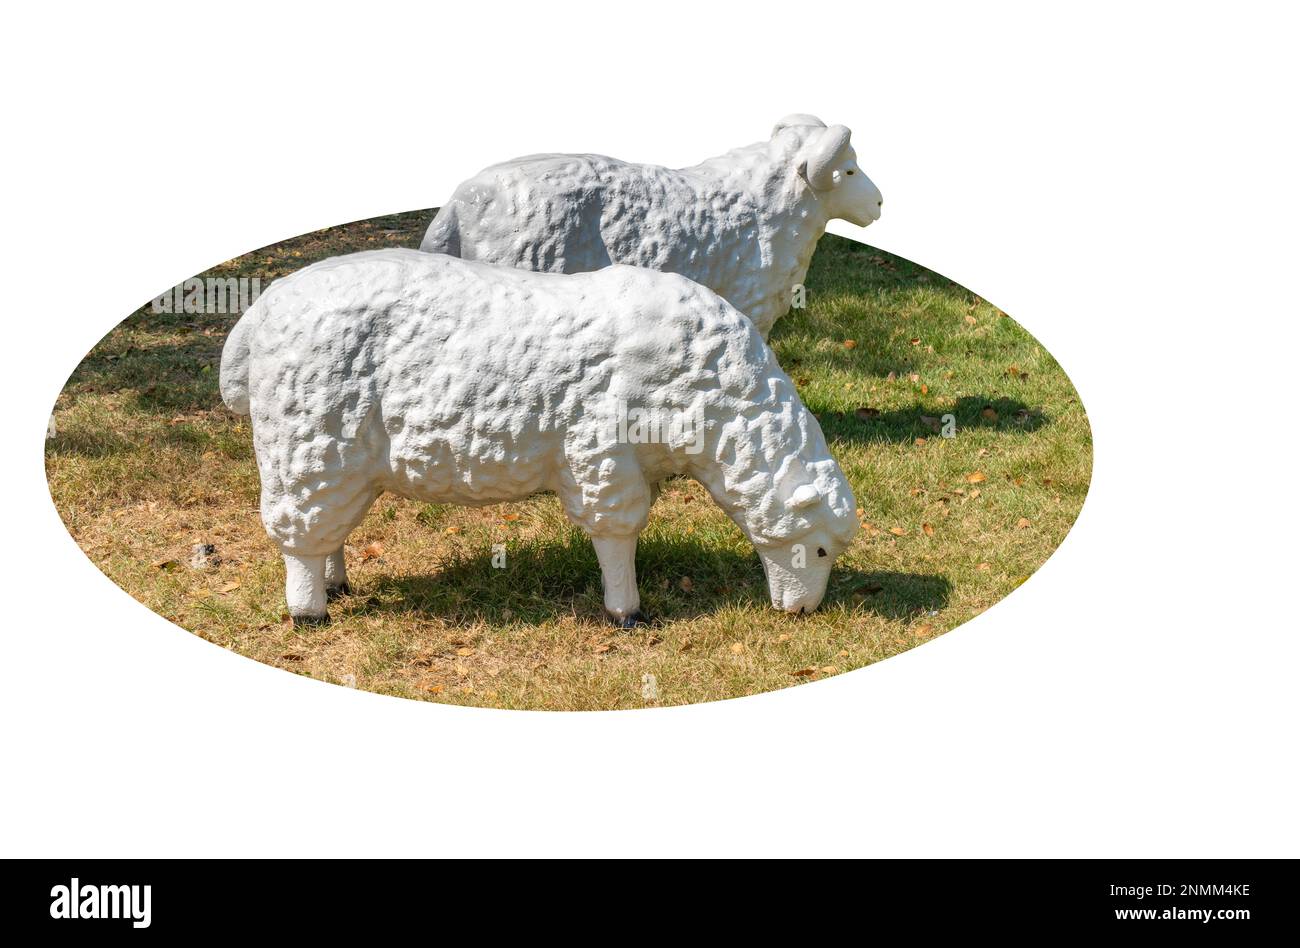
<point>147,462</point>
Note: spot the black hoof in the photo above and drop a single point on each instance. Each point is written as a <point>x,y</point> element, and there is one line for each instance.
<point>631,621</point>
<point>310,620</point>
<point>334,592</point>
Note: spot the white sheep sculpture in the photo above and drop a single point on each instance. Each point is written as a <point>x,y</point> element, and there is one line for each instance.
<point>450,381</point>
<point>744,224</point>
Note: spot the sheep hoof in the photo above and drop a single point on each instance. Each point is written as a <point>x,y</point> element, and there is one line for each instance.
<point>334,592</point>
<point>630,621</point>
<point>310,620</point>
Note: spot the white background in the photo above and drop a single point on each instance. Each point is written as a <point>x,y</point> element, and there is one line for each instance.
<point>1121,179</point>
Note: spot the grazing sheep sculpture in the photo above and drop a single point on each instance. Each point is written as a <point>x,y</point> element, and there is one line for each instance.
<point>744,224</point>
<point>450,381</point>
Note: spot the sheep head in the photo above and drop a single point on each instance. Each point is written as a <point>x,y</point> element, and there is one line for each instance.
<point>798,570</point>
<point>829,164</point>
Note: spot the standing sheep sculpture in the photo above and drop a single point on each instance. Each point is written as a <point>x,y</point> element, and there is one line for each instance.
<point>450,381</point>
<point>744,224</point>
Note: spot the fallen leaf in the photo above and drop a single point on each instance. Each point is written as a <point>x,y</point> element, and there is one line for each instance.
<point>510,517</point>
<point>802,672</point>
<point>898,531</point>
<point>783,637</point>
<point>927,529</point>
<point>166,565</point>
<point>970,319</point>
<point>434,689</point>
<point>975,477</point>
<point>843,653</point>
<point>686,583</point>
<point>737,648</point>
<point>973,494</point>
<point>984,567</point>
<point>914,341</point>
<point>1023,523</point>
<point>919,441</point>
<point>850,344</point>
<point>602,648</point>
<point>463,652</point>
<point>989,413</point>
<point>372,551</point>
<point>923,631</point>
<point>452,531</point>
<point>230,586</point>
<point>914,377</point>
<point>829,670</point>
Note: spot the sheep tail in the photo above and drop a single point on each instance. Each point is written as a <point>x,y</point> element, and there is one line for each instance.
<point>443,235</point>
<point>235,359</point>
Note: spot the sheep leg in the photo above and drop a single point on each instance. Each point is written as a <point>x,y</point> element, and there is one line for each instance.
<point>617,556</point>
<point>336,575</point>
<point>304,589</point>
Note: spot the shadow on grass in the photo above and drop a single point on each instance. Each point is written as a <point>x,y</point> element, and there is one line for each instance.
<point>163,378</point>
<point>971,412</point>
<point>97,443</point>
<point>546,582</point>
<point>171,360</point>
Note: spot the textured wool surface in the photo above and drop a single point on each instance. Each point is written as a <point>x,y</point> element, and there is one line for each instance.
<point>450,381</point>
<point>745,224</point>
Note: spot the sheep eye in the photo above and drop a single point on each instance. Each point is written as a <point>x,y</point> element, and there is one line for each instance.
<point>850,171</point>
<point>821,551</point>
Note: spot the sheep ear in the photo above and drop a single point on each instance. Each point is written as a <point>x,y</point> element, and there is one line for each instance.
<point>804,495</point>
<point>795,120</point>
<point>822,154</point>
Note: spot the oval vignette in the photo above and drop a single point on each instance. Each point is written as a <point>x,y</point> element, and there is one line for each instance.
<point>965,442</point>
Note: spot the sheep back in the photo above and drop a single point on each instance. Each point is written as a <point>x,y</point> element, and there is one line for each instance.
<point>717,224</point>
<point>455,381</point>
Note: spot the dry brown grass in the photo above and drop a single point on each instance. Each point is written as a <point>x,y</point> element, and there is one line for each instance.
<point>147,463</point>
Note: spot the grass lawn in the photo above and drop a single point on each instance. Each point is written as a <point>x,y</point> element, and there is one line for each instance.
<point>146,462</point>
